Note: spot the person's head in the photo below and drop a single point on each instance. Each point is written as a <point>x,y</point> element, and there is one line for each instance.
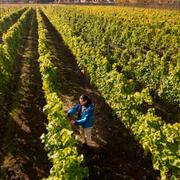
<point>84,100</point>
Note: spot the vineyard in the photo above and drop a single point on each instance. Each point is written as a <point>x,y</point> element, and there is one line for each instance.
<point>126,59</point>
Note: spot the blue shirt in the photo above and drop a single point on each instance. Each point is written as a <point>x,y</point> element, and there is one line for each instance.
<point>85,115</point>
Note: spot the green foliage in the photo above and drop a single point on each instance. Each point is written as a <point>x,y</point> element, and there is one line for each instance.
<point>59,141</point>
<point>8,20</point>
<point>12,40</point>
<point>103,42</point>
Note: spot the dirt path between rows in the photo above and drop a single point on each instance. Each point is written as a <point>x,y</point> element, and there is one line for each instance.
<point>22,153</point>
<point>119,156</point>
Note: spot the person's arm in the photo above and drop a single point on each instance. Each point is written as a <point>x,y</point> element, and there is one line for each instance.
<point>73,110</point>
<point>83,120</point>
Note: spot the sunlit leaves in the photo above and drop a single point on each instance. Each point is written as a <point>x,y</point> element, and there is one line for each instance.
<point>59,140</point>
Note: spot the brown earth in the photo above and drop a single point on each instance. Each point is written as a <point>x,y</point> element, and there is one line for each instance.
<point>119,156</point>
<point>22,156</point>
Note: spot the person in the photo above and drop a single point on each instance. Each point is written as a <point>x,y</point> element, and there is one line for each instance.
<point>85,118</point>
